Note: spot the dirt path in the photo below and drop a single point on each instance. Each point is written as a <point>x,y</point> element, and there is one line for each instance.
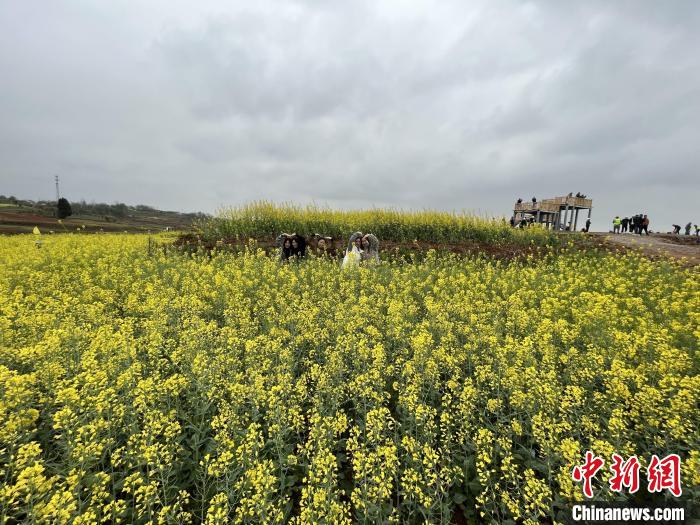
<point>659,245</point>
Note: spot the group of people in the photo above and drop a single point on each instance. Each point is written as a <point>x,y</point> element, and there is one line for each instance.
<point>361,247</point>
<point>526,222</point>
<point>677,229</point>
<point>291,245</point>
<point>640,224</point>
<point>534,200</point>
<point>522,223</point>
<point>579,195</point>
<point>636,224</point>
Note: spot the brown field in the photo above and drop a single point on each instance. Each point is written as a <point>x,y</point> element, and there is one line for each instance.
<point>17,220</point>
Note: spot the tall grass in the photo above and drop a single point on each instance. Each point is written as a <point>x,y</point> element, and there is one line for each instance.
<point>263,220</point>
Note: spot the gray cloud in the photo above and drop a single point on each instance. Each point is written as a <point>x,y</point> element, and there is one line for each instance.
<point>414,104</point>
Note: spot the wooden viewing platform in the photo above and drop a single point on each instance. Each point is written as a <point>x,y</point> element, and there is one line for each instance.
<point>559,213</point>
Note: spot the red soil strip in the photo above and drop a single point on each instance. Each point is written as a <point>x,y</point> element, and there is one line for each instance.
<point>404,248</point>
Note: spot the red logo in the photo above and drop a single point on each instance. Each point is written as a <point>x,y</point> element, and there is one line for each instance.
<point>665,474</point>
<point>661,474</point>
<point>587,472</point>
<point>625,474</point>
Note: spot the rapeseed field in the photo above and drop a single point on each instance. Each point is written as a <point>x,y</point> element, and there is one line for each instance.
<point>145,387</point>
<point>262,220</point>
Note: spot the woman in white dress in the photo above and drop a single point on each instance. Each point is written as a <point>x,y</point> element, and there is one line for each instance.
<point>353,255</point>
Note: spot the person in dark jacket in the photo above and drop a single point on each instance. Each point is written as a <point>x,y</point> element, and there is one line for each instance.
<point>625,223</point>
<point>298,246</point>
<point>644,227</point>
<point>637,223</point>
<point>284,243</point>
<point>676,228</point>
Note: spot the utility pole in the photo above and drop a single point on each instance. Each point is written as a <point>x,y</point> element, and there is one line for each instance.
<point>57,194</point>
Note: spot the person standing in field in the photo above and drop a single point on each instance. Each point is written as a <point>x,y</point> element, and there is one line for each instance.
<point>697,231</point>
<point>370,248</point>
<point>687,228</point>
<point>625,222</point>
<point>644,225</point>
<point>616,224</point>
<point>588,224</point>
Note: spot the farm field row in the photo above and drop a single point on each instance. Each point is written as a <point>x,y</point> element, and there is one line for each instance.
<point>264,220</point>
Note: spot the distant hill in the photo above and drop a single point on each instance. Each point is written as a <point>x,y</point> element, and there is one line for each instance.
<point>20,216</point>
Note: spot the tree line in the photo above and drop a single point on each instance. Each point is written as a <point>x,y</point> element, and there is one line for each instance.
<point>63,208</point>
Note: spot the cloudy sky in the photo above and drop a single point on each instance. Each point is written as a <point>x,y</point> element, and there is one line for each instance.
<point>440,104</point>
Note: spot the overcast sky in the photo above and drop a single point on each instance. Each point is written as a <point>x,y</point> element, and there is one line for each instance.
<point>447,104</point>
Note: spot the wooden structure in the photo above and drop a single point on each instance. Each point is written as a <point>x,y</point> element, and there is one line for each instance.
<point>559,213</point>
